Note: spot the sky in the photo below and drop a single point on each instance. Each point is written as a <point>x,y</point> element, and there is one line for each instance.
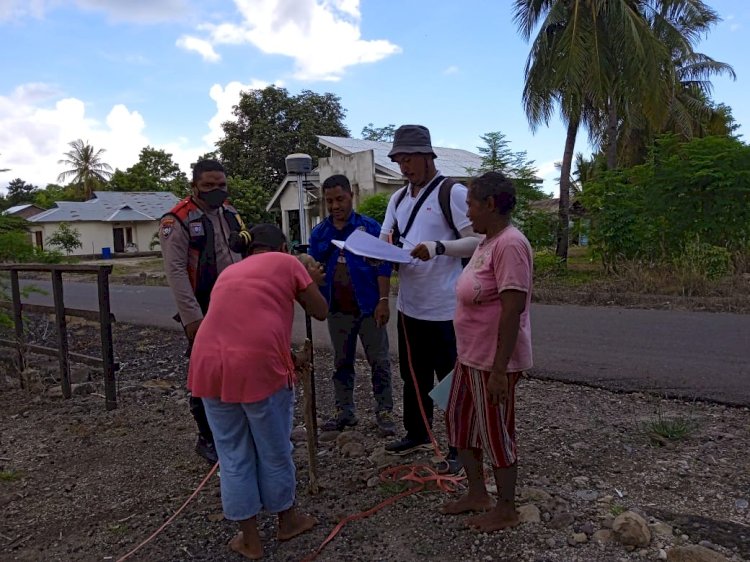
<point>125,74</point>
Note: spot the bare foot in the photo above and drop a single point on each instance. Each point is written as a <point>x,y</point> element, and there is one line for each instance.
<point>465,504</point>
<point>293,523</point>
<point>251,548</point>
<point>496,520</point>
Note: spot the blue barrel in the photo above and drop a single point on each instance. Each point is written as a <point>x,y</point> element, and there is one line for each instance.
<point>106,253</point>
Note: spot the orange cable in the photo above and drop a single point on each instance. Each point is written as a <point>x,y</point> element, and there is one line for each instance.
<point>420,474</point>
<point>174,515</point>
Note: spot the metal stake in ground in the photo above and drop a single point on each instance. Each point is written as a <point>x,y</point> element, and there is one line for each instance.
<point>304,368</point>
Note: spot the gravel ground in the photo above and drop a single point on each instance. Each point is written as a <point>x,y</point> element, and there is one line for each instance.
<point>80,483</point>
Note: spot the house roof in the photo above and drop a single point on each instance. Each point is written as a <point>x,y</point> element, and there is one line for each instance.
<point>452,162</point>
<point>111,206</point>
<point>18,208</point>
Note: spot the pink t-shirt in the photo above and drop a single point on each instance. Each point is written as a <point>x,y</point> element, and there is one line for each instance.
<point>242,350</point>
<point>501,263</point>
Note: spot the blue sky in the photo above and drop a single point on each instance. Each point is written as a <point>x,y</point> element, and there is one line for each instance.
<point>124,74</point>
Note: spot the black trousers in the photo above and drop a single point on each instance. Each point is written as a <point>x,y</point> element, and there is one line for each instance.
<point>432,345</point>
<point>198,411</point>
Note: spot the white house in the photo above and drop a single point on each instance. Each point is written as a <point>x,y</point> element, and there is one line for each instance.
<point>369,170</point>
<point>111,221</point>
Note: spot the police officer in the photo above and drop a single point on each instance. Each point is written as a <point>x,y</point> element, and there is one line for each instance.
<point>200,237</point>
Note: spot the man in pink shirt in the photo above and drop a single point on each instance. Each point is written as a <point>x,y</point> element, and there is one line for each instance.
<point>493,338</point>
<point>242,369</point>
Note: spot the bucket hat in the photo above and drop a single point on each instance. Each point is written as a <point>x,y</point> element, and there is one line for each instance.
<point>412,139</point>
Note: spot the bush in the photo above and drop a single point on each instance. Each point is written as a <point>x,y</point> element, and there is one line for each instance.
<point>704,260</point>
<point>547,264</point>
<point>686,191</point>
<point>65,237</point>
<point>540,228</point>
<point>374,206</point>
<point>16,247</point>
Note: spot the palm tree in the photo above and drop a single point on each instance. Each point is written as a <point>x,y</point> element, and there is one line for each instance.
<point>85,166</point>
<point>600,61</point>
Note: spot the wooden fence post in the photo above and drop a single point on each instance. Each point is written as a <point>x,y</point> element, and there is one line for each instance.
<point>105,322</point>
<point>15,291</point>
<point>62,332</point>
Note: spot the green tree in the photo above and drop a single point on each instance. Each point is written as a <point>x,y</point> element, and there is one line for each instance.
<point>498,156</point>
<point>85,167</point>
<point>374,206</point>
<point>20,192</point>
<point>154,171</point>
<point>270,124</point>
<point>382,134</point>
<point>250,200</point>
<point>65,237</point>
<point>47,197</point>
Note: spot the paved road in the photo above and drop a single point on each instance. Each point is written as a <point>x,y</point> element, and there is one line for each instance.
<point>688,354</point>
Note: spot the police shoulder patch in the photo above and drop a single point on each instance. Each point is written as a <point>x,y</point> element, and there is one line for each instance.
<point>166,226</point>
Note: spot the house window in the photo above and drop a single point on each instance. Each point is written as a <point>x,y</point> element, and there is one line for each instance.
<point>39,239</point>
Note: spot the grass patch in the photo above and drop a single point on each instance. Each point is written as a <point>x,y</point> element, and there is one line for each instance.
<point>393,488</point>
<point>617,509</point>
<point>10,475</point>
<point>117,528</point>
<point>662,429</point>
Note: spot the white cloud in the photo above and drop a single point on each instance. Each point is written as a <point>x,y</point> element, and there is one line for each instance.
<point>226,97</point>
<point>34,135</point>
<point>323,37</point>
<point>200,46</point>
<point>140,11</point>
<point>37,122</point>
<point>11,9</point>
<point>453,69</point>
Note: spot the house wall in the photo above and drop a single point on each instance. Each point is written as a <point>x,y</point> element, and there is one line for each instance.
<point>359,168</point>
<point>98,235</point>
<point>289,201</point>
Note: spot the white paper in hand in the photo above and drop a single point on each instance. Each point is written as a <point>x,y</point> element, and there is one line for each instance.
<point>368,246</point>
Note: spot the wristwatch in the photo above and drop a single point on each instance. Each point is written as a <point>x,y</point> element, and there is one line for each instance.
<point>439,248</point>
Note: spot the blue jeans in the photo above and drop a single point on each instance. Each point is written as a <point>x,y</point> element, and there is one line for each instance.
<point>253,442</point>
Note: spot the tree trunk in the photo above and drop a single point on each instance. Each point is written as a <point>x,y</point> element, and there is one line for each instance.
<point>563,227</point>
<point>611,136</point>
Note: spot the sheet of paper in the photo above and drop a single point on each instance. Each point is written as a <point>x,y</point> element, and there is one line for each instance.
<point>368,246</point>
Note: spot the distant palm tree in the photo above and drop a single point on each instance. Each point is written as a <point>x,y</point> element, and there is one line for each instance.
<point>85,166</point>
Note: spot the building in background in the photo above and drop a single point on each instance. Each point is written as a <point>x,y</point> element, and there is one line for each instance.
<point>369,170</point>
<point>110,222</point>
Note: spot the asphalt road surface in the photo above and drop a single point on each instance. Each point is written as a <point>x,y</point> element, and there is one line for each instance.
<point>688,354</point>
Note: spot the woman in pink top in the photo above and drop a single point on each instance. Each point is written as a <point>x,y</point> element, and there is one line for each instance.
<point>493,338</point>
<point>242,368</point>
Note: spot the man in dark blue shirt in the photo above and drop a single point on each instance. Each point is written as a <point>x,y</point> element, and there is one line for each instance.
<point>357,292</point>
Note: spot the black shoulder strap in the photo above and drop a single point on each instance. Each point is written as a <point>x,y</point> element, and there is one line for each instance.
<point>444,198</point>
<point>422,198</point>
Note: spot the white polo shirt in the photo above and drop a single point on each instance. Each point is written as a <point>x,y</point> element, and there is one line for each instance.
<point>427,289</point>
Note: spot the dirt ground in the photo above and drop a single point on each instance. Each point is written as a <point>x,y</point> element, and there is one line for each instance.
<point>81,483</point>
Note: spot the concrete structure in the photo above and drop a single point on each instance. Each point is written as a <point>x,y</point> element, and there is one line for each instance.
<point>119,221</point>
<point>369,170</point>
<point>24,211</point>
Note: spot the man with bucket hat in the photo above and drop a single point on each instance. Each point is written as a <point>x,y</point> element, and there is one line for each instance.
<point>427,216</point>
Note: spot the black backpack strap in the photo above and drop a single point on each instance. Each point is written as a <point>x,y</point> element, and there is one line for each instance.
<point>444,198</point>
<point>422,198</point>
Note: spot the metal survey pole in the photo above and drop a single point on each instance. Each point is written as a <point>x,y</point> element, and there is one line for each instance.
<point>300,165</point>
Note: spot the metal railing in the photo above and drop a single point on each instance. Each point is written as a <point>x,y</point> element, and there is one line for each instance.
<point>103,316</point>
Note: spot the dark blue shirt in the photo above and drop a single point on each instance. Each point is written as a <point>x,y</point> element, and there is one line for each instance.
<point>363,275</point>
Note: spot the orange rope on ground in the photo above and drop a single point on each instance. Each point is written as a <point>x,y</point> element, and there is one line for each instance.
<point>421,475</point>
<point>174,515</point>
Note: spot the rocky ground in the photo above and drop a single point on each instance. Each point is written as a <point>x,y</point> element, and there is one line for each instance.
<point>603,476</point>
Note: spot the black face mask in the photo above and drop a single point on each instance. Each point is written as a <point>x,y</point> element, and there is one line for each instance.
<point>214,198</point>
